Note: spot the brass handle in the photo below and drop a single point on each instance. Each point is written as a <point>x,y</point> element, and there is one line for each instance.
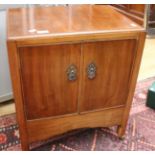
<point>72,73</point>
<point>91,71</point>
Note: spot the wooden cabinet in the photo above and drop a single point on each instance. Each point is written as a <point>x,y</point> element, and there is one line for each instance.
<point>77,67</point>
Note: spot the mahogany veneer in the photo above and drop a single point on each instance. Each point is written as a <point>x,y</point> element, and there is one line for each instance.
<point>72,67</point>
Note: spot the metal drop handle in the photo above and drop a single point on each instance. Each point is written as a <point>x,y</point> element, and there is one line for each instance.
<point>72,73</point>
<point>91,71</point>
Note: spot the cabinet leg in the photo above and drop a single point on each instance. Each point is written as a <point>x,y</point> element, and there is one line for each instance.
<point>121,131</point>
<point>23,138</point>
<point>25,146</point>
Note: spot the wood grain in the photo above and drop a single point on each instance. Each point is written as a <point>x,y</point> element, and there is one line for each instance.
<point>113,60</point>
<point>32,22</point>
<point>80,37</point>
<point>47,103</point>
<point>43,128</point>
<point>46,88</point>
<point>133,80</point>
<point>17,93</point>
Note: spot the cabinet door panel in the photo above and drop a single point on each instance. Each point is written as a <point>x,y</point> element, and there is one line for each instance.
<point>113,61</point>
<point>46,88</point>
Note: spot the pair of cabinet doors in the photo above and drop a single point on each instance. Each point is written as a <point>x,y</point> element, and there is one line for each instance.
<point>75,78</point>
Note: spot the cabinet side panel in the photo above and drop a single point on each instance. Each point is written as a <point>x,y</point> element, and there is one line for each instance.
<point>16,82</point>
<point>132,82</point>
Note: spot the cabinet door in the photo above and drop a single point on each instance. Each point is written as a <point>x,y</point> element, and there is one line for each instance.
<point>45,71</point>
<point>106,73</point>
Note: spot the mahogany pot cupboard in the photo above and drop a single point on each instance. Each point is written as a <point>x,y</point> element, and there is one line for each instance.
<point>72,67</point>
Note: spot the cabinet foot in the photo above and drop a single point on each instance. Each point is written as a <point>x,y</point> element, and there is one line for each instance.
<point>121,132</point>
<point>25,147</point>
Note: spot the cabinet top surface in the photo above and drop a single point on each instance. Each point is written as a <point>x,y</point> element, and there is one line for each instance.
<point>32,22</point>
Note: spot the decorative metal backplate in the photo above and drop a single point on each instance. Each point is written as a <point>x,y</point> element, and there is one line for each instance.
<point>91,71</point>
<point>72,73</point>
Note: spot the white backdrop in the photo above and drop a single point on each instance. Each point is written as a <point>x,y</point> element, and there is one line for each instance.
<point>5,83</point>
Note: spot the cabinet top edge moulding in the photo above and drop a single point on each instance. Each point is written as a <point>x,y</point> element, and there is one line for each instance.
<point>67,23</point>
